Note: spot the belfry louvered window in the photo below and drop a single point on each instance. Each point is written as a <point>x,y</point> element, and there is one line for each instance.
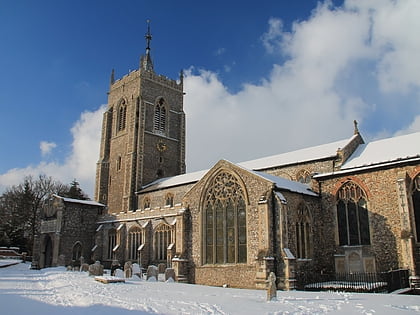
<point>122,116</point>
<point>352,216</point>
<point>224,221</point>
<point>160,117</point>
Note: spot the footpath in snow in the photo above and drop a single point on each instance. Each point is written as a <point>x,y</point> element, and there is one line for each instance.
<point>57,291</point>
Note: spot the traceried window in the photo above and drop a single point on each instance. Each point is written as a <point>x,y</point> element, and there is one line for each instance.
<point>352,216</point>
<point>159,121</point>
<point>303,232</point>
<point>416,205</point>
<point>224,221</point>
<point>303,176</point>
<point>164,236</point>
<point>112,242</point>
<point>122,116</point>
<point>135,239</point>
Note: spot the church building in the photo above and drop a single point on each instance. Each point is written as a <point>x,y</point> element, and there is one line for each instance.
<point>346,206</point>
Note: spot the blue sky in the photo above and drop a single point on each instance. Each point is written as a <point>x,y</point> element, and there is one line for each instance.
<point>262,77</point>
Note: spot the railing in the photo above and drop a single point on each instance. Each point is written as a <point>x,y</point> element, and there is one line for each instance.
<point>354,282</point>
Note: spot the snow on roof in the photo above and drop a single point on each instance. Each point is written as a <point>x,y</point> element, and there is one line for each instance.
<point>86,202</point>
<point>383,151</point>
<point>303,155</point>
<point>174,181</point>
<point>288,184</point>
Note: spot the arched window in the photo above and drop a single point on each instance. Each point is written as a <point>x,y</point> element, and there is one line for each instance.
<point>135,239</point>
<point>224,221</point>
<point>416,205</point>
<point>169,200</point>
<point>122,115</point>
<point>352,216</point>
<point>112,242</point>
<point>303,232</point>
<point>77,251</point>
<point>163,238</point>
<point>304,177</point>
<point>146,203</point>
<point>159,121</point>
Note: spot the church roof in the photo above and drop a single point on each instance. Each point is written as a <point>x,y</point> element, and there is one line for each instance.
<point>85,202</point>
<point>385,151</point>
<point>320,152</point>
<point>287,184</point>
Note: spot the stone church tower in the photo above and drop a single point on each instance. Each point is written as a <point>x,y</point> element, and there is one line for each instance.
<point>143,134</point>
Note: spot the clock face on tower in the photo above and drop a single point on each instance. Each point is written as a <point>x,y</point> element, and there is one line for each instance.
<point>161,146</point>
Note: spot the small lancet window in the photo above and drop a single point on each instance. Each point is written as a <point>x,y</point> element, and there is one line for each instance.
<point>169,200</point>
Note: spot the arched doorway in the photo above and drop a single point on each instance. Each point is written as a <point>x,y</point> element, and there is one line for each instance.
<point>48,251</point>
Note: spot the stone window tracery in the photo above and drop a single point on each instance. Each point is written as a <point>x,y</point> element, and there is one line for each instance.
<point>224,221</point>
<point>416,205</point>
<point>112,242</point>
<point>304,177</point>
<point>352,215</point>
<point>122,116</point>
<point>303,232</point>
<point>164,236</point>
<point>159,120</point>
<point>135,239</point>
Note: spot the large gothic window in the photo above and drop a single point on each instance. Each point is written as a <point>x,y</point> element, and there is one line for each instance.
<point>135,239</point>
<point>224,221</point>
<point>303,232</point>
<point>122,116</point>
<point>163,238</point>
<point>416,205</point>
<point>159,120</point>
<point>352,216</point>
<point>112,242</point>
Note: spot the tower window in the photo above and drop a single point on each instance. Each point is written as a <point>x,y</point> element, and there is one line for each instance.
<point>122,116</point>
<point>160,117</point>
<point>352,216</point>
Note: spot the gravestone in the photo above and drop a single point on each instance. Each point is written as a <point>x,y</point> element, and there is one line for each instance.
<point>152,272</point>
<point>128,269</point>
<point>115,265</point>
<point>96,269</point>
<point>84,267</point>
<point>162,268</point>
<point>119,273</point>
<point>170,274</point>
<point>271,287</point>
<point>136,270</point>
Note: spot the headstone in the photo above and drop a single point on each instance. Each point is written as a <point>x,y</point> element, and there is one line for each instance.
<point>96,269</point>
<point>128,269</point>
<point>152,271</point>
<point>115,265</point>
<point>136,270</point>
<point>170,274</point>
<point>82,260</point>
<point>162,268</point>
<point>61,260</point>
<point>84,267</point>
<point>271,287</point>
<point>119,273</point>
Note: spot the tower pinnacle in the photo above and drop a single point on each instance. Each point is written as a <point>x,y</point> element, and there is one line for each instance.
<point>146,60</point>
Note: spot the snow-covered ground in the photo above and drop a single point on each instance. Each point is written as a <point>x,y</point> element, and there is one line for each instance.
<point>57,291</point>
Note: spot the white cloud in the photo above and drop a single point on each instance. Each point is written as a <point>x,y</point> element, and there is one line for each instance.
<point>46,147</point>
<point>340,63</point>
<point>80,164</point>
